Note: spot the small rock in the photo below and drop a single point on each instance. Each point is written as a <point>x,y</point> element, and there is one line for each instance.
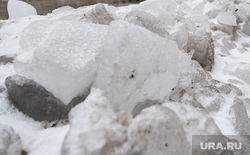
<point>4,60</point>
<point>34,100</point>
<point>10,143</point>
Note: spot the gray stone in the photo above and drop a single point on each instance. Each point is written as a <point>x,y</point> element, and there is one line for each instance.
<point>35,101</point>
<point>10,143</point>
<point>148,21</point>
<point>4,60</point>
<point>201,43</point>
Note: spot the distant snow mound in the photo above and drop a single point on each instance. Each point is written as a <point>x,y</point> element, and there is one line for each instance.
<point>61,56</point>
<point>17,9</point>
<point>136,65</point>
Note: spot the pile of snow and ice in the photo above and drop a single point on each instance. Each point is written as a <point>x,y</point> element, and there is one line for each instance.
<point>141,79</point>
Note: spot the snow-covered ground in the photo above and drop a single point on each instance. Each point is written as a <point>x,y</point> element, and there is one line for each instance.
<point>131,57</point>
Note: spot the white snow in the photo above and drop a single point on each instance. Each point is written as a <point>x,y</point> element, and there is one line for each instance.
<point>18,9</point>
<point>66,53</point>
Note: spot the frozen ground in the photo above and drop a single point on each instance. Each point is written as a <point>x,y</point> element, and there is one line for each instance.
<point>131,57</point>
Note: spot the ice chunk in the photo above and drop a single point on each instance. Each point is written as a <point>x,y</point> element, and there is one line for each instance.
<point>212,13</point>
<point>157,130</point>
<point>169,5</point>
<point>136,65</point>
<point>17,9</point>
<point>10,143</point>
<point>240,70</point>
<point>181,37</point>
<point>164,10</point>
<point>64,60</point>
<point>226,18</point>
<point>148,21</point>
<point>198,10</point>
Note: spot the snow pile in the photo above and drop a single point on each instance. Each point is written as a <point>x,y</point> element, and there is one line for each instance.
<point>61,56</point>
<point>97,129</point>
<point>136,65</point>
<point>160,71</point>
<point>18,9</point>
